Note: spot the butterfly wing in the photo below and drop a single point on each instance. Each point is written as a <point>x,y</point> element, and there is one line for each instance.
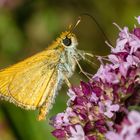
<point>27,83</point>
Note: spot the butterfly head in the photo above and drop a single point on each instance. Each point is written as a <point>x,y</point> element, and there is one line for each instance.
<point>68,39</point>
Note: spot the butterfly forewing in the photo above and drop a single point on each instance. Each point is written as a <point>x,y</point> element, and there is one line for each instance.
<point>27,83</point>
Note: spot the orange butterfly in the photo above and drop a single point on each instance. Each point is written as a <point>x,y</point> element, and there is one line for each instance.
<point>33,83</point>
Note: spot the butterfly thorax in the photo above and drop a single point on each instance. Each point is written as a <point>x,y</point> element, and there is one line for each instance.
<point>67,62</point>
<point>68,57</point>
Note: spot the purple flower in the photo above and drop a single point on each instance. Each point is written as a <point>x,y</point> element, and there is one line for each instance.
<point>107,108</point>
<point>59,133</point>
<point>106,75</point>
<point>77,133</point>
<point>137,32</point>
<point>113,136</point>
<point>138,19</point>
<point>99,108</point>
<point>130,129</point>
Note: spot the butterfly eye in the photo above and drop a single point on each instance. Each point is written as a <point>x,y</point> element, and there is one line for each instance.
<point>67,41</point>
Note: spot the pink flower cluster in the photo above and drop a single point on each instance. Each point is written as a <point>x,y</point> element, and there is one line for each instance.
<point>128,130</point>
<point>96,109</point>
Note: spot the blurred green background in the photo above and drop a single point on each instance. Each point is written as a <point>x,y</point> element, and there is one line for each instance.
<point>29,26</point>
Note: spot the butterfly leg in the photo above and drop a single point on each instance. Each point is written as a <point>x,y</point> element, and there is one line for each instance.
<point>42,113</point>
<point>82,71</point>
<point>67,81</point>
<point>44,109</point>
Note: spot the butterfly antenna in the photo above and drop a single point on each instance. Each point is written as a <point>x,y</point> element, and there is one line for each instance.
<point>97,23</point>
<point>72,28</point>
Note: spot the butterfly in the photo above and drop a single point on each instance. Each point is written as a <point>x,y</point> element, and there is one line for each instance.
<point>34,82</point>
